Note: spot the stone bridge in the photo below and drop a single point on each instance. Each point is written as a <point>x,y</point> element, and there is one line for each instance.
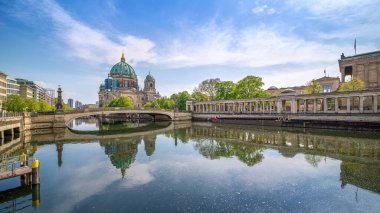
<point>58,120</point>
<point>11,124</point>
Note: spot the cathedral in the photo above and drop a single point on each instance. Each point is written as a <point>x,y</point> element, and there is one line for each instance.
<point>122,81</point>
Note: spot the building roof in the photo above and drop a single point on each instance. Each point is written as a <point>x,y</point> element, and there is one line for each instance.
<point>2,73</point>
<point>375,53</point>
<point>327,78</point>
<point>123,68</point>
<point>272,88</point>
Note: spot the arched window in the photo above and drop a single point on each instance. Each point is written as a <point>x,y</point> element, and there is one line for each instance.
<point>151,84</point>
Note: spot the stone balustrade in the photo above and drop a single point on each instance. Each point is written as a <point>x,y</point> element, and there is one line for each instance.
<point>366,101</point>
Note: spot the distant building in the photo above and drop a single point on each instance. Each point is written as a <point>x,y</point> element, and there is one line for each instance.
<point>39,93</point>
<point>78,105</point>
<point>89,106</point>
<point>70,102</point>
<point>328,84</point>
<point>364,66</point>
<point>12,86</point>
<point>26,91</point>
<point>3,88</point>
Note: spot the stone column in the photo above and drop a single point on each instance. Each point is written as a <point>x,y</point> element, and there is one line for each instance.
<point>314,105</point>
<point>336,104</point>
<point>375,103</point>
<point>348,104</point>
<point>250,107</point>
<point>361,103</point>
<point>270,106</point>
<point>279,106</point>
<point>262,106</point>
<point>256,106</point>
<point>293,105</point>
<point>305,105</point>
<point>325,105</point>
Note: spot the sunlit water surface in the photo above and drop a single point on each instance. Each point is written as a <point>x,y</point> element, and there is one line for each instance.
<point>205,168</point>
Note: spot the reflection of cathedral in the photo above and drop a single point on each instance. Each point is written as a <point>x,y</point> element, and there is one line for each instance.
<point>123,154</point>
<point>122,81</point>
<point>150,144</point>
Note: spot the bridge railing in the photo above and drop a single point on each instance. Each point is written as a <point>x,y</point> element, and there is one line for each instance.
<point>10,114</point>
<point>74,111</point>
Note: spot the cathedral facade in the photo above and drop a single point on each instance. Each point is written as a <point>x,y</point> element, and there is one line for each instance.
<point>122,81</point>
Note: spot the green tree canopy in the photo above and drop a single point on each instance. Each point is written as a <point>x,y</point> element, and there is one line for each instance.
<point>313,87</point>
<point>44,106</point>
<point>32,105</point>
<point>199,96</point>
<point>161,103</point>
<point>121,102</point>
<point>181,99</point>
<point>208,87</point>
<point>250,87</point>
<point>225,90</point>
<point>353,85</point>
<point>14,103</point>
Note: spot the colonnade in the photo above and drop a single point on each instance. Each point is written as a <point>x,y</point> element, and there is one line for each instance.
<point>347,102</point>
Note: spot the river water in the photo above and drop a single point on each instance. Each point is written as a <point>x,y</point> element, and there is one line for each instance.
<point>196,167</point>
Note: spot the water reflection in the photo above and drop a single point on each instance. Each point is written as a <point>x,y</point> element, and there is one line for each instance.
<point>176,150</point>
<point>122,155</point>
<point>110,123</point>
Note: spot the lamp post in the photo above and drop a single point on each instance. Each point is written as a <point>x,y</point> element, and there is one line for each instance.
<point>59,106</point>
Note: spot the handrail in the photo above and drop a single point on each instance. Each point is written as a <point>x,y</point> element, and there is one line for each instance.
<point>10,114</point>
<point>13,165</point>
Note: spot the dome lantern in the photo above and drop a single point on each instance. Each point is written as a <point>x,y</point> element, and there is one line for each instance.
<point>122,57</point>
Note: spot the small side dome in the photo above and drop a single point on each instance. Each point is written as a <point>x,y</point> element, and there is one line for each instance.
<point>272,88</point>
<point>288,91</point>
<point>101,85</point>
<point>149,77</point>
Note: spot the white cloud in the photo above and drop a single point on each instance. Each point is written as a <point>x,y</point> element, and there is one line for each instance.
<point>271,11</point>
<point>85,42</point>
<point>327,6</point>
<point>263,9</point>
<point>259,9</point>
<point>249,47</point>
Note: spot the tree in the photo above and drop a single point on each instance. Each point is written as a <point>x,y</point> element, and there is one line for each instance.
<point>14,103</point>
<point>199,96</point>
<point>250,87</point>
<point>32,105</point>
<point>277,92</point>
<point>121,102</point>
<point>181,98</point>
<point>161,103</point>
<point>208,87</point>
<point>225,90</point>
<point>44,106</point>
<point>353,85</point>
<point>312,87</point>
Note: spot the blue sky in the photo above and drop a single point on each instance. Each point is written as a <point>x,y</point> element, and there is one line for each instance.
<point>182,42</point>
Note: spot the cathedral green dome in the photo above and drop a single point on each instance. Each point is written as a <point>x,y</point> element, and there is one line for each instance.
<point>123,68</point>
